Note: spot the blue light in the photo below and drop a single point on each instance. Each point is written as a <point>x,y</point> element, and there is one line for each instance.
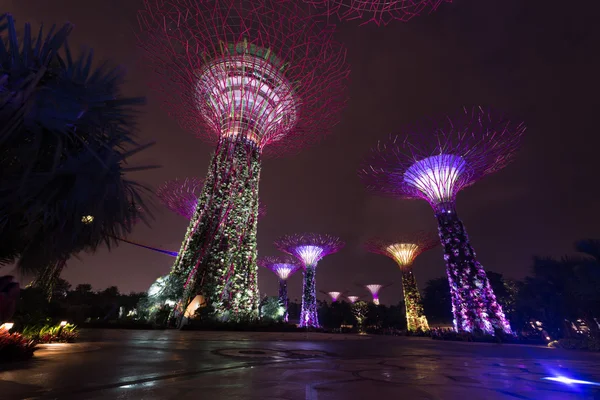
<point>569,381</point>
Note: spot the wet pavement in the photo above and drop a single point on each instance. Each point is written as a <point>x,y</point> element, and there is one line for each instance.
<point>117,364</point>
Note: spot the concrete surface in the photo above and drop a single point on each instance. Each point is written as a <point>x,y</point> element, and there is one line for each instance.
<point>117,364</point>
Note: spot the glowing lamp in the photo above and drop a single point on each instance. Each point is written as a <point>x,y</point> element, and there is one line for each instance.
<point>63,323</point>
<point>7,326</point>
<point>87,219</point>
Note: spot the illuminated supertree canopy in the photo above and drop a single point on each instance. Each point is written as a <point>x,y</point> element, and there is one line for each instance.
<point>435,165</point>
<point>404,249</point>
<point>309,248</point>
<point>374,289</point>
<point>181,197</point>
<point>353,299</point>
<point>254,77</point>
<point>334,295</point>
<point>380,12</point>
<point>283,267</point>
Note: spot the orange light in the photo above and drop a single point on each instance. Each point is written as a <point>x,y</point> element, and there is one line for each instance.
<point>7,326</point>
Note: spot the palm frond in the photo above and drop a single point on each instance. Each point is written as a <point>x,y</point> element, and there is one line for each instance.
<point>66,133</point>
<point>590,247</point>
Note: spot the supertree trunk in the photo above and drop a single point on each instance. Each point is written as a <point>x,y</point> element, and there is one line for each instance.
<point>308,314</point>
<point>283,297</point>
<point>474,304</point>
<point>415,316</point>
<point>218,255</point>
<point>47,279</point>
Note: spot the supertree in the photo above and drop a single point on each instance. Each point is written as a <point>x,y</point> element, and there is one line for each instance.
<point>353,299</point>
<point>404,249</point>
<point>374,289</point>
<point>181,196</point>
<point>283,267</point>
<point>454,154</point>
<point>309,248</point>
<point>380,12</point>
<point>334,295</point>
<point>254,77</point>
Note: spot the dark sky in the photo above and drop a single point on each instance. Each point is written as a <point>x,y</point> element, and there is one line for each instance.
<point>538,61</point>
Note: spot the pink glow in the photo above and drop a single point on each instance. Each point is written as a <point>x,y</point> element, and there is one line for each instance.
<point>379,12</point>
<point>265,70</point>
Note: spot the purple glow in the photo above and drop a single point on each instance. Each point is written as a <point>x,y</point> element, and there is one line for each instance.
<point>437,160</point>
<point>167,252</point>
<point>353,299</point>
<point>283,267</point>
<point>374,289</point>
<point>310,255</point>
<point>334,295</point>
<point>181,196</point>
<point>434,163</point>
<point>246,69</point>
<point>438,178</point>
<point>569,381</point>
<point>309,248</point>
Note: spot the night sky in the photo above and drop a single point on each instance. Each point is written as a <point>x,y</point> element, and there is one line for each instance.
<point>537,62</point>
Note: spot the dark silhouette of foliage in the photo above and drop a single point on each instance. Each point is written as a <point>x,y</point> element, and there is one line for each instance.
<point>66,133</point>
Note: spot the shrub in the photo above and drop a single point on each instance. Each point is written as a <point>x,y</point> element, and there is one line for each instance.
<point>15,347</point>
<point>577,343</point>
<point>51,333</point>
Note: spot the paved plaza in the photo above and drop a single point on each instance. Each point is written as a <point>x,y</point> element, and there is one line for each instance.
<point>118,364</point>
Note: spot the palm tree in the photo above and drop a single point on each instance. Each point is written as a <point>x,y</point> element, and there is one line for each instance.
<point>66,133</point>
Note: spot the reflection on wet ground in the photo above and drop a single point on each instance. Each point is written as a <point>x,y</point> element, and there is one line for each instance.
<point>116,364</point>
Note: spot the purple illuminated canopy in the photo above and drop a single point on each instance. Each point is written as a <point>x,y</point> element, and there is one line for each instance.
<point>436,161</point>
<point>309,248</point>
<point>283,267</point>
<point>181,196</point>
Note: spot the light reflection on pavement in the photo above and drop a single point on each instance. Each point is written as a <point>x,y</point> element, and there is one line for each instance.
<point>118,364</point>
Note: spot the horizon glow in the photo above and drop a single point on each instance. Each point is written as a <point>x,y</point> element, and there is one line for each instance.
<point>437,177</point>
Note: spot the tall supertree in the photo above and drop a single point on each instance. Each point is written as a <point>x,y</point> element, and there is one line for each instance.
<point>374,289</point>
<point>254,77</point>
<point>353,299</point>
<point>435,165</point>
<point>380,12</point>
<point>283,267</point>
<point>181,196</point>
<point>404,249</point>
<point>309,248</point>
